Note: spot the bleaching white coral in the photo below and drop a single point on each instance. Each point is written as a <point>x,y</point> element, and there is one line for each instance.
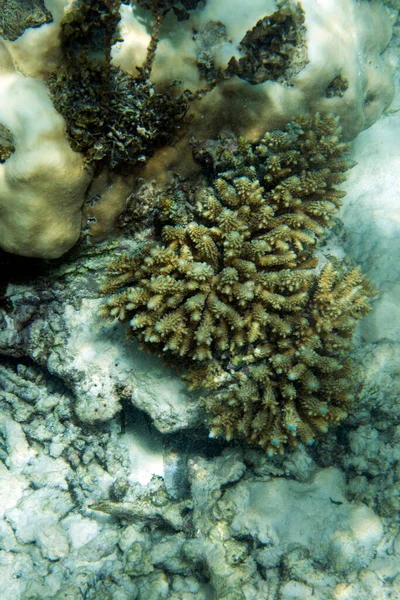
<point>42,184</point>
<point>344,38</point>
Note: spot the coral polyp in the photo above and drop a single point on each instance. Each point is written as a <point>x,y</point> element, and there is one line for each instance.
<point>233,288</point>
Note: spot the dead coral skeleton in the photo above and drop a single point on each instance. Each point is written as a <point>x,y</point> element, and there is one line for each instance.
<point>233,285</point>
<point>115,119</point>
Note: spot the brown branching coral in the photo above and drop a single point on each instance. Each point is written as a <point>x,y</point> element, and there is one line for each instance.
<point>233,284</point>
<point>300,379</point>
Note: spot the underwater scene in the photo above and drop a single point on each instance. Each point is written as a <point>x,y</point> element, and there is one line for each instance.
<point>199,300</point>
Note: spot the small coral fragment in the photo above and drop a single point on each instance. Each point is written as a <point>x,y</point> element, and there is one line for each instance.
<point>233,287</point>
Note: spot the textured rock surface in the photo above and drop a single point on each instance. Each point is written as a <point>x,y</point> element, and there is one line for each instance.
<point>62,331</point>
<point>242,526</point>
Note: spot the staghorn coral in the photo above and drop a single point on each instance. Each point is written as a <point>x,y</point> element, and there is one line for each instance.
<point>233,285</point>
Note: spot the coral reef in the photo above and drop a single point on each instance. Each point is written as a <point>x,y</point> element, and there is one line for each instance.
<point>233,288</point>
<point>127,88</point>
<point>221,521</point>
<point>49,315</point>
<point>239,531</point>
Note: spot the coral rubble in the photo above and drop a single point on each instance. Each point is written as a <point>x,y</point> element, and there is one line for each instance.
<point>236,532</point>
<point>233,288</point>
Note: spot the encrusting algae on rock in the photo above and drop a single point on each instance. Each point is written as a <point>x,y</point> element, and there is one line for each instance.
<point>233,289</point>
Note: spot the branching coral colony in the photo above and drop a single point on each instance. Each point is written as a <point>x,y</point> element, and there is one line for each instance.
<point>233,289</point>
